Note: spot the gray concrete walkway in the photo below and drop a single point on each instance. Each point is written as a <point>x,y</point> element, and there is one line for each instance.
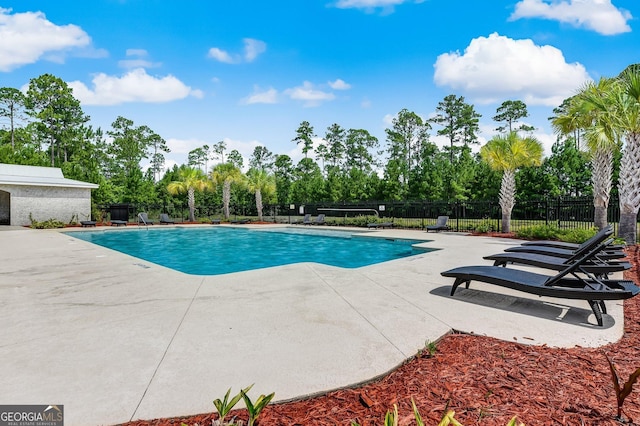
<point>115,338</point>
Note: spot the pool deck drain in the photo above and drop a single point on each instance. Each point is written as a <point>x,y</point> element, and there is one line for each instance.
<point>90,328</point>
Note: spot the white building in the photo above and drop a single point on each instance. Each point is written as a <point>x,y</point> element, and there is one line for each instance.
<point>42,192</point>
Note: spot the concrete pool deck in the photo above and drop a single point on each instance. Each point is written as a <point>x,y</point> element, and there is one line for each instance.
<point>114,338</point>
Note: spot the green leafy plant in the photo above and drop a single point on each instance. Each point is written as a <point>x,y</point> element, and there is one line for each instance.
<point>577,235</point>
<point>538,232</point>
<point>622,391</point>
<point>449,419</point>
<point>391,418</point>
<point>431,347</point>
<point>47,224</point>
<point>416,414</point>
<point>486,225</point>
<point>255,409</point>
<point>225,406</point>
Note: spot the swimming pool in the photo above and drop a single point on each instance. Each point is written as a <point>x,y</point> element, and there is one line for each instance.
<point>222,250</point>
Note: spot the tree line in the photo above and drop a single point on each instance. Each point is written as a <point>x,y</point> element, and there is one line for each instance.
<point>46,126</point>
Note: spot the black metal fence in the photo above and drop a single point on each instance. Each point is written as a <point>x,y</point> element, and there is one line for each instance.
<point>563,212</point>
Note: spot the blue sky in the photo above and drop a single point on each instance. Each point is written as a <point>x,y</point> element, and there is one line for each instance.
<point>249,71</point>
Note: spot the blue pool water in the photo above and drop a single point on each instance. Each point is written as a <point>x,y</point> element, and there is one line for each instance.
<point>221,250</point>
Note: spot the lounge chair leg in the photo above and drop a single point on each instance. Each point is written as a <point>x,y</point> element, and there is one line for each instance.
<point>595,307</point>
<point>457,283</point>
<point>603,308</point>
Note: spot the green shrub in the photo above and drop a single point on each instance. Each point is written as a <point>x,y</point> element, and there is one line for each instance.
<point>577,235</point>
<point>47,224</point>
<point>538,232</point>
<point>486,225</point>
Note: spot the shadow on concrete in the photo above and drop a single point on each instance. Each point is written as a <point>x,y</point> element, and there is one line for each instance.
<point>537,308</point>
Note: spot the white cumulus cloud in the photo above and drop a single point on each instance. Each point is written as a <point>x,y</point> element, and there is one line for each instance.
<point>597,15</point>
<point>309,94</point>
<point>496,68</point>
<point>27,37</point>
<point>259,96</point>
<point>134,86</point>
<point>339,84</point>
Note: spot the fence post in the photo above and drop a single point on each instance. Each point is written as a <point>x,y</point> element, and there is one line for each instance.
<point>558,211</point>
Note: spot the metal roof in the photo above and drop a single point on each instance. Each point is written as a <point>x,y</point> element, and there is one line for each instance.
<point>13,174</point>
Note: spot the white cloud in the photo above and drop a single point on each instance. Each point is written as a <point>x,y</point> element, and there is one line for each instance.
<point>252,49</point>
<point>220,55</point>
<point>339,84</point>
<point>371,5</point>
<point>139,60</point>
<point>496,68</point>
<point>269,96</point>
<point>309,94</point>
<point>597,15</point>
<point>135,86</point>
<point>27,37</point>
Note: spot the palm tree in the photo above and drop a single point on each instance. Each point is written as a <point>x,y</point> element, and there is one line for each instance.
<point>191,180</point>
<point>507,153</point>
<point>625,116</point>
<point>260,183</point>
<point>225,174</point>
<point>587,111</point>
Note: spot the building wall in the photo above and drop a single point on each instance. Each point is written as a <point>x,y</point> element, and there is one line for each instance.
<point>47,202</point>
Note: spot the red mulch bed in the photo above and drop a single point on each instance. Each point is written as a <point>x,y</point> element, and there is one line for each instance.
<point>486,381</point>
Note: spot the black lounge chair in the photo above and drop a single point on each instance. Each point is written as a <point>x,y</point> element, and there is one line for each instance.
<point>319,220</point>
<point>599,264</point>
<point>143,219</point>
<point>88,223</point>
<point>608,254</point>
<point>595,291</point>
<point>240,221</point>
<point>599,268</point>
<point>118,223</point>
<point>165,219</point>
<point>215,221</point>
<point>573,246</point>
<point>441,224</point>
<point>306,220</point>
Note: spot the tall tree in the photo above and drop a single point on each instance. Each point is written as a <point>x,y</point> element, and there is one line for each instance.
<point>199,157</point>
<point>189,181</point>
<point>261,184</point>
<point>261,158</point>
<point>217,151</point>
<point>50,101</point>
<point>459,122</point>
<point>406,137</point>
<point>304,136</point>
<point>225,174</point>
<point>507,153</point>
<point>586,113</point>
<point>625,114</point>
<point>509,113</point>
<point>12,105</point>
<point>235,158</point>
<point>158,148</point>
<point>129,146</point>
<point>335,144</point>
<point>283,171</point>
